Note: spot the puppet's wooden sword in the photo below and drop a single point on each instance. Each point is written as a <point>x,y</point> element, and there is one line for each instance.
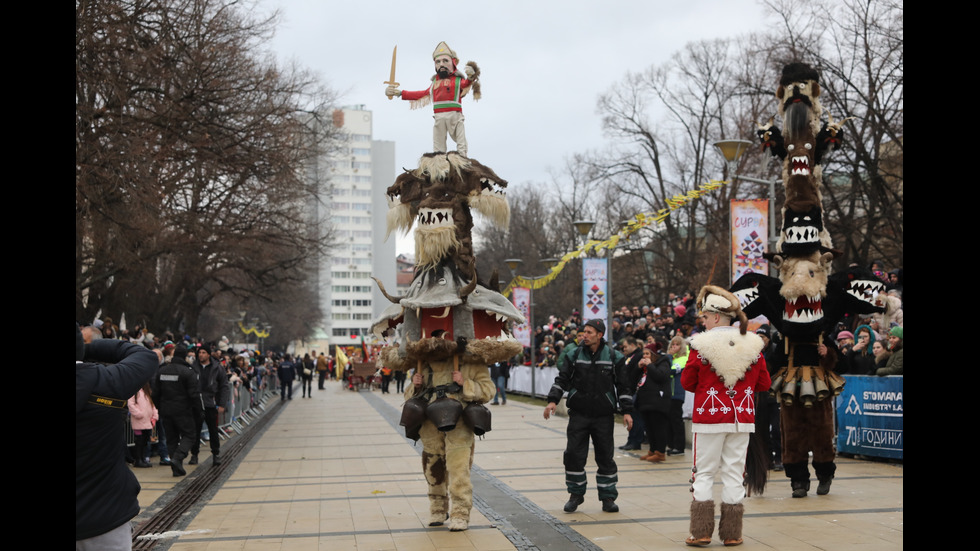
<point>391,79</point>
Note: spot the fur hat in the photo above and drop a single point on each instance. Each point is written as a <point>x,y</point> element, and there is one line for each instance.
<point>796,72</point>
<point>714,299</point>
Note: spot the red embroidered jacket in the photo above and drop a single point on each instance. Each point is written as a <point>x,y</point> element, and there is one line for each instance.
<point>717,407</point>
<point>447,94</point>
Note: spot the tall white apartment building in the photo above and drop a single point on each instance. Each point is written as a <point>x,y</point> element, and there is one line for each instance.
<point>355,206</point>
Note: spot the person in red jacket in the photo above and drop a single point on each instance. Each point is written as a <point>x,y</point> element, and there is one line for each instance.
<point>725,371</point>
<point>445,93</point>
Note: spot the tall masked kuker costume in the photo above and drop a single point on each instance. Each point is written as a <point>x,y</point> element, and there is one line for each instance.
<point>451,326</point>
<point>806,301</point>
<point>725,370</point>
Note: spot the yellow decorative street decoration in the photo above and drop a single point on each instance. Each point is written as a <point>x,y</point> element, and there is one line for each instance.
<point>639,221</point>
<point>253,330</point>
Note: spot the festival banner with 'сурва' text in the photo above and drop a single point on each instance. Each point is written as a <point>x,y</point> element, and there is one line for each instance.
<point>750,233</point>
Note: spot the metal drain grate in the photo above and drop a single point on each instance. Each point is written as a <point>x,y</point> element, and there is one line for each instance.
<point>198,485</point>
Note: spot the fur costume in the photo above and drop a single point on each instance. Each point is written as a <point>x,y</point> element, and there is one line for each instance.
<point>806,301</point>
<point>448,321</point>
<point>448,456</point>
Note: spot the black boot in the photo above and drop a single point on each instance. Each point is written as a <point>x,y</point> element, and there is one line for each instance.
<point>800,487</point>
<point>574,500</point>
<point>825,475</point>
<point>823,486</point>
<point>177,466</point>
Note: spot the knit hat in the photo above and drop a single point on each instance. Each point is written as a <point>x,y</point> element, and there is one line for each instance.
<point>597,324</point>
<point>714,299</point>
<point>896,332</point>
<point>764,331</point>
<point>680,310</point>
<point>845,335</point>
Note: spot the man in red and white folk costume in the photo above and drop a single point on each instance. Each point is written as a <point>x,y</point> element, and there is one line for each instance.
<point>725,371</point>
<point>446,92</point>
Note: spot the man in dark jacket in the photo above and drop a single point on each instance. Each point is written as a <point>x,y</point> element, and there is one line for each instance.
<point>178,397</point>
<point>215,391</point>
<point>287,374</point>
<point>634,353</point>
<point>107,373</point>
<point>594,376</point>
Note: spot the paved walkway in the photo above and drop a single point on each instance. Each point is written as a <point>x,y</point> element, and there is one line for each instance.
<point>335,472</point>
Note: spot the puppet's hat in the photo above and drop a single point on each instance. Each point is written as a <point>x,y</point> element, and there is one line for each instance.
<point>444,49</point>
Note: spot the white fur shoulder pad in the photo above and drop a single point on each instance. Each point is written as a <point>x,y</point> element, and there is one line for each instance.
<point>729,352</point>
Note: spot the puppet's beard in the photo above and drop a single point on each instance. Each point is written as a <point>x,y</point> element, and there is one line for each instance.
<point>434,244</point>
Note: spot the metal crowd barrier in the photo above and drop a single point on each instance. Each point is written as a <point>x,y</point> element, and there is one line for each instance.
<point>244,406</point>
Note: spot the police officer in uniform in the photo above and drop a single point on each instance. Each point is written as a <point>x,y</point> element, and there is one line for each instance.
<point>594,375</point>
<point>178,397</point>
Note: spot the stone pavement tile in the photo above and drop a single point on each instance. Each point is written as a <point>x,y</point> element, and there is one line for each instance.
<point>337,473</point>
<point>417,542</point>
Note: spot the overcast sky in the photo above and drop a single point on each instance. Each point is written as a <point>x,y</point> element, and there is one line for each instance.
<point>543,62</point>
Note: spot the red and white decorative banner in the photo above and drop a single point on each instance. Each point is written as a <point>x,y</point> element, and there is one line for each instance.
<point>750,235</point>
<point>522,301</point>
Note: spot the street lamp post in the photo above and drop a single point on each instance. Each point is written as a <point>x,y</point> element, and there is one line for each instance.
<point>584,227</point>
<point>513,264</point>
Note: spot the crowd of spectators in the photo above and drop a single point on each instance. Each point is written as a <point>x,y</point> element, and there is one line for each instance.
<point>656,325</point>
<point>242,369</point>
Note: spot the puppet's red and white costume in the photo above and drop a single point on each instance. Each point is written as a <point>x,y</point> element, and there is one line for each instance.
<point>446,96</point>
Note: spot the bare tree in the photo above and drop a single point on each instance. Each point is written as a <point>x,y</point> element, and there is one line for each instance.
<point>191,145</point>
<point>700,99</point>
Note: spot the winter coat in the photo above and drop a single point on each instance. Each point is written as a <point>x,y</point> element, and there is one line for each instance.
<point>215,389</point>
<point>105,488</point>
<point>725,371</point>
<point>142,413</point>
<point>178,392</point>
<point>593,381</point>
<point>653,386</point>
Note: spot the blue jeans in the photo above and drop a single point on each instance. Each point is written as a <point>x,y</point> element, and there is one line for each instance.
<point>501,389</point>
